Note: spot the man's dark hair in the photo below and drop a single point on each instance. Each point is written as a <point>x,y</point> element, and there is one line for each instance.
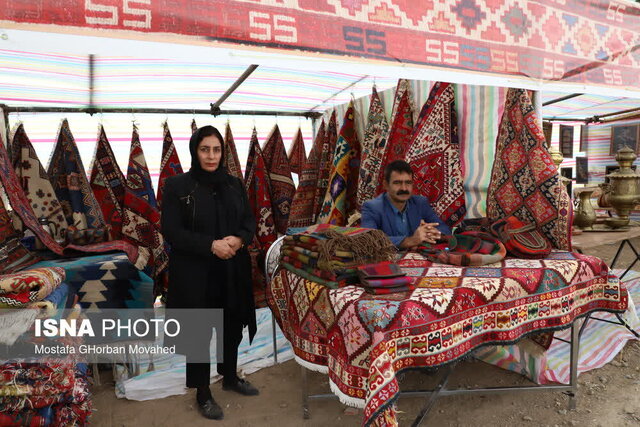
<point>397,166</point>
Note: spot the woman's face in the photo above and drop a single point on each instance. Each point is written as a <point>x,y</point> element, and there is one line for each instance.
<point>209,153</point>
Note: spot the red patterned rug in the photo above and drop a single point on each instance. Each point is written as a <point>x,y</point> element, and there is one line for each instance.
<point>231,160</point>
<point>282,187</point>
<point>524,180</point>
<point>14,255</point>
<point>69,179</point>
<point>325,163</point>
<point>170,163</point>
<point>141,222</point>
<point>434,155</point>
<point>20,204</point>
<point>401,128</point>
<point>373,148</point>
<point>363,341</point>
<point>302,207</point>
<point>297,155</point>
<point>258,190</point>
<point>108,184</point>
<point>341,198</point>
<point>36,185</point>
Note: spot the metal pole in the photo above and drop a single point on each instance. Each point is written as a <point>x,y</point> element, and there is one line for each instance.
<point>91,111</point>
<point>215,107</point>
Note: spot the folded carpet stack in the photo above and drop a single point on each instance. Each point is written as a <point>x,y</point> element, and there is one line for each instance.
<point>329,255</point>
<point>49,392</point>
<point>383,278</point>
<point>29,288</point>
<point>39,394</point>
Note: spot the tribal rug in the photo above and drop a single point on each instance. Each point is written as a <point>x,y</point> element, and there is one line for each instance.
<point>258,190</point>
<point>69,180</point>
<point>302,207</point>
<point>141,222</point>
<point>434,155</point>
<point>36,185</point>
<point>105,281</point>
<point>399,137</point>
<point>108,184</point>
<point>282,186</point>
<point>194,126</point>
<point>137,256</point>
<point>341,198</point>
<point>363,341</point>
<point>524,180</point>
<point>297,156</point>
<point>13,255</point>
<point>373,148</point>
<point>55,393</point>
<point>325,164</point>
<point>231,160</point>
<point>170,163</point>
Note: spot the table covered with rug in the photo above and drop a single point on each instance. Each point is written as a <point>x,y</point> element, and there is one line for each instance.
<point>105,281</point>
<point>363,340</point>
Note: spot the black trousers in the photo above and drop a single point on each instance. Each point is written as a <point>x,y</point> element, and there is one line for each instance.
<point>198,374</point>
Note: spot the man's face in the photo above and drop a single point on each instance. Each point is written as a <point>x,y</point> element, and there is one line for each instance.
<point>399,187</point>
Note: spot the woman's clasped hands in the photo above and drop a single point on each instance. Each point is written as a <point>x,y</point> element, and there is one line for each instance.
<point>226,247</point>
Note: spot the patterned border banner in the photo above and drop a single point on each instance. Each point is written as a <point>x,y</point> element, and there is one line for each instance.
<point>580,41</point>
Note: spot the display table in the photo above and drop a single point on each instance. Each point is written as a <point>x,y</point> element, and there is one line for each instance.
<point>105,281</point>
<point>363,341</point>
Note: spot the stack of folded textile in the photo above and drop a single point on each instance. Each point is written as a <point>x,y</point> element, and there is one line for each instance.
<point>55,393</point>
<point>384,278</point>
<point>30,288</point>
<point>329,254</point>
<point>49,391</point>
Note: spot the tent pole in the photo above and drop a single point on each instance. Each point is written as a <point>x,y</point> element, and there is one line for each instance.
<point>562,98</point>
<point>215,107</point>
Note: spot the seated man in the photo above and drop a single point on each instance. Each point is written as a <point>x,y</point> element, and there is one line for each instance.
<point>407,219</point>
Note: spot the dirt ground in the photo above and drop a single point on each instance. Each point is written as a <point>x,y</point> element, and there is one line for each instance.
<point>609,396</point>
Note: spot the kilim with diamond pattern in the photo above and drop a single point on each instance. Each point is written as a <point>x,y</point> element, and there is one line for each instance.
<point>524,180</point>
<point>170,163</point>
<point>373,149</point>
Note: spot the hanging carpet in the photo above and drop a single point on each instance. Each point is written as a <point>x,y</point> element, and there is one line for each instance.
<point>36,185</point>
<point>340,199</point>
<point>108,184</point>
<point>325,164</point>
<point>524,181</point>
<point>282,187</point>
<point>434,155</point>
<point>302,207</point>
<point>258,190</point>
<point>231,160</point>
<point>400,132</point>
<point>69,180</point>
<point>170,163</point>
<point>20,204</point>
<point>141,223</point>
<point>13,255</point>
<point>297,156</point>
<point>194,126</point>
<point>373,147</point>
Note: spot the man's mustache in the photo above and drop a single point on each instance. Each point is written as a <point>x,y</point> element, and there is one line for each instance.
<point>402,193</point>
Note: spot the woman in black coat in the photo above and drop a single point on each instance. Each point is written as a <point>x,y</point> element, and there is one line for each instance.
<point>207,220</point>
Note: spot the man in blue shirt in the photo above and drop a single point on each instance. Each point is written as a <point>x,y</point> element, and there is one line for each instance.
<point>407,219</point>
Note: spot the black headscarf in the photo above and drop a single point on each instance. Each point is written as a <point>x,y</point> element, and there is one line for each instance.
<point>210,179</point>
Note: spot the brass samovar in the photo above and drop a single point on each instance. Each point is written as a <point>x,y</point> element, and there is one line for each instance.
<point>623,190</point>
